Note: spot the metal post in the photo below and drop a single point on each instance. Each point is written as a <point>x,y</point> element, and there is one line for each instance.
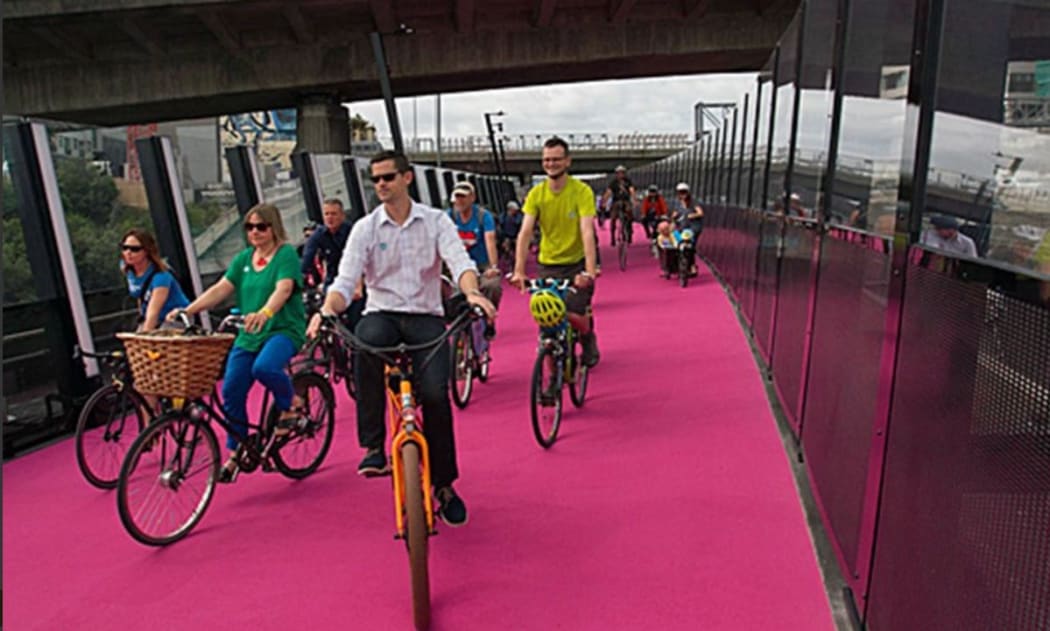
<point>245,175</point>
<point>437,124</point>
<point>164,194</point>
<point>915,162</point>
<point>50,255</point>
<point>388,93</point>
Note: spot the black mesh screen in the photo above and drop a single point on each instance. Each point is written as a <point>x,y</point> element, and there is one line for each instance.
<point>964,528</point>
<point>843,382</point>
<point>792,311</point>
<point>766,283</point>
<point>748,251</point>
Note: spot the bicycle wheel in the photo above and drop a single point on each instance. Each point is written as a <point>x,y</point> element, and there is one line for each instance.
<point>106,427</point>
<point>168,479</point>
<point>622,253</point>
<point>580,374</point>
<point>461,373</point>
<point>546,410</point>
<point>344,369</point>
<point>416,534</point>
<point>483,362</point>
<point>302,452</point>
<point>685,267</point>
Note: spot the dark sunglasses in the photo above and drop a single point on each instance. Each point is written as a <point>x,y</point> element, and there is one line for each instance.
<point>386,177</point>
<point>258,227</point>
<point>130,248</point>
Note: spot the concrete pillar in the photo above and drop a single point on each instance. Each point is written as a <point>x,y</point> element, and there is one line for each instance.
<point>322,125</point>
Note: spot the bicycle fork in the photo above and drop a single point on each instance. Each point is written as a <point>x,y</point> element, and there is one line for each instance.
<point>405,410</point>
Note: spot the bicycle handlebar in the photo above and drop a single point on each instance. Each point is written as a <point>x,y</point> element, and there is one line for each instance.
<point>561,285</point>
<point>79,353</point>
<point>384,352</point>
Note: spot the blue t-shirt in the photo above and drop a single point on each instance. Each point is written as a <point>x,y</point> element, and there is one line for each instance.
<point>176,299</point>
<point>473,232</point>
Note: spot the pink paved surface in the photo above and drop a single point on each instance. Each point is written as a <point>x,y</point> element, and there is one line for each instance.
<point>667,503</point>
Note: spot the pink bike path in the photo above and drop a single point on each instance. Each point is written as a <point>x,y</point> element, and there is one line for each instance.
<point>667,503</point>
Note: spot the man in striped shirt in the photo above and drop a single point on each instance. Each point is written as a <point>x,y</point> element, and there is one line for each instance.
<point>399,248</point>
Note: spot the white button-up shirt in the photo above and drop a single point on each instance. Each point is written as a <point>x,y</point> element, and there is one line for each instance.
<point>402,264</point>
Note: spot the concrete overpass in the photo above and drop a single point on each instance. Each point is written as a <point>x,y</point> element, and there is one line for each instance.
<point>591,152</point>
<point>113,62</point>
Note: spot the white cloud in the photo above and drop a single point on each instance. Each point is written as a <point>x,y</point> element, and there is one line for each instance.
<point>660,105</point>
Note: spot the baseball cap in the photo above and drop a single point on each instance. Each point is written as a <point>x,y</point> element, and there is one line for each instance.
<point>462,188</point>
<point>682,186</point>
<point>944,221</point>
<point>621,168</point>
<point>653,188</point>
<point>513,204</point>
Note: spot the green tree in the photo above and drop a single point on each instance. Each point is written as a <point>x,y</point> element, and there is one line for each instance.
<point>85,191</point>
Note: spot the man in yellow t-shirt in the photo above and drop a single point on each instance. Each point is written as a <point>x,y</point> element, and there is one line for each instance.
<point>563,207</point>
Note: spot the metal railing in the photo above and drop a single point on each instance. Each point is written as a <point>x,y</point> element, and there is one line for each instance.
<point>533,142</point>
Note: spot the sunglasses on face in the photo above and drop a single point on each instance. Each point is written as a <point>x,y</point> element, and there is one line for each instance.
<point>130,248</point>
<point>386,177</point>
<point>259,227</point>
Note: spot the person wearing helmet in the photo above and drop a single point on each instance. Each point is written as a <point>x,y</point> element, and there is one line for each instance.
<point>654,210</point>
<point>621,193</point>
<point>688,215</point>
<point>563,207</point>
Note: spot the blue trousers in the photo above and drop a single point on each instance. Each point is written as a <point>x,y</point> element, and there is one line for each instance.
<point>243,368</point>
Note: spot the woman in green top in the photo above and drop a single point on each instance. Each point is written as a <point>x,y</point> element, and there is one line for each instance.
<point>267,284</point>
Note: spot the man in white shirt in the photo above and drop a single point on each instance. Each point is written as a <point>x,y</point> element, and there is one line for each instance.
<point>399,249</point>
<point>945,235</point>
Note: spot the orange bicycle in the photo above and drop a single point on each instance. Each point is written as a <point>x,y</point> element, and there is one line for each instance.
<point>409,454</point>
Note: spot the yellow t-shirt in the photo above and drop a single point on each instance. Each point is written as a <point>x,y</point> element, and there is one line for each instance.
<point>558,216</point>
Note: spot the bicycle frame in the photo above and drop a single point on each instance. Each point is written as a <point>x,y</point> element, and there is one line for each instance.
<point>405,426</point>
<point>403,417</point>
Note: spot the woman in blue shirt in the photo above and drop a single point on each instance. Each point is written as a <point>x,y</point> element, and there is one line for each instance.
<point>149,280</point>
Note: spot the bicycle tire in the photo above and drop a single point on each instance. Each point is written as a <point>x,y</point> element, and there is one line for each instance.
<point>462,364</point>
<point>177,435</point>
<point>545,437</point>
<point>483,366</point>
<point>346,371</point>
<point>580,377</point>
<point>114,399</point>
<point>683,270</point>
<point>319,399</point>
<point>622,254</point>
<point>416,534</point>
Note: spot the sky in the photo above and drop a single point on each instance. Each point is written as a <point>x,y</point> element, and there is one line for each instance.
<point>659,105</point>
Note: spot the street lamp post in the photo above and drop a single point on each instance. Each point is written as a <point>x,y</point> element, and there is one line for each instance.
<point>497,150</point>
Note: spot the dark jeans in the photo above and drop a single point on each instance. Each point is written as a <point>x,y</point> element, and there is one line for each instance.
<point>431,387</point>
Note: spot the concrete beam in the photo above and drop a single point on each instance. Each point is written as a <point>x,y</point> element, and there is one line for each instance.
<point>383,15</point>
<point>544,13</point>
<point>302,31</point>
<point>208,81</point>
<point>696,8</point>
<point>465,10</point>
<point>18,9</point>
<point>148,44</point>
<point>619,9</point>
<point>217,26</point>
<point>70,47</point>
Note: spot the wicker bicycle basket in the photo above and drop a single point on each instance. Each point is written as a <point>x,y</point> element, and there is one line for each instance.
<point>169,363</point>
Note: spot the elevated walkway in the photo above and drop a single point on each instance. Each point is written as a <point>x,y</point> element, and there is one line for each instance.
<point>667,503</point>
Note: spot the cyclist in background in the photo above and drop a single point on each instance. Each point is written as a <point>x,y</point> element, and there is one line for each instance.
<point>325,246</point>
<point>477,230</point>
<point>149,280</point>
<point>654,210</point>
<point>620,193</point>
<point>564,209</point>
<point>510,227</point>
